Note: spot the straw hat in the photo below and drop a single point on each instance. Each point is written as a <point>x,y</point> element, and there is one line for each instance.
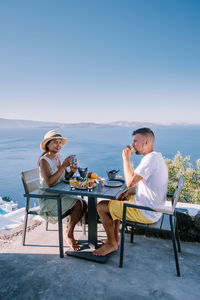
<point>51,135</point>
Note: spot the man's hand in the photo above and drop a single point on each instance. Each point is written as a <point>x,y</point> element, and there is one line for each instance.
<point>126,153</point>
<point>126,193</point>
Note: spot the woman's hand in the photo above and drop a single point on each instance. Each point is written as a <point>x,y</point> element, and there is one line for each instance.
<point>67,162</point>
<point>74,169</point>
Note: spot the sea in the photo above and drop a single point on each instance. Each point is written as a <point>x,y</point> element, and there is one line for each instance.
<point>97,148</point>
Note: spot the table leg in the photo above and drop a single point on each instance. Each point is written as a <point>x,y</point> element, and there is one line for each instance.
<point>92,222</point>
<point>91,244</point>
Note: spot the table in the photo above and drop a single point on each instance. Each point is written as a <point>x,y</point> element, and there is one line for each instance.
<point>109,193</point>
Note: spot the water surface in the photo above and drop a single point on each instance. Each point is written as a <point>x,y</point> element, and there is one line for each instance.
<point>99,149</point>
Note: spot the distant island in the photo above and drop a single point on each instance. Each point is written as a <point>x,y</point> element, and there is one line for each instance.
<point>15,123</point>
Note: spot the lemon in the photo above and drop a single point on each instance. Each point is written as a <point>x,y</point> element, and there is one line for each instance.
<point>72,181</point>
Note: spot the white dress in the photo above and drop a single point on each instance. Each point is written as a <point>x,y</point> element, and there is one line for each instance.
<point>48,207</point>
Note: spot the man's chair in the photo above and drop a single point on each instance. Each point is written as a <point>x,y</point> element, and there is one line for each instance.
<point>167,223</point>
<point>30,181</point>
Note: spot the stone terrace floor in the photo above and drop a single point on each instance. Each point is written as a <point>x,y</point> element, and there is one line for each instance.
<point>35,271</point>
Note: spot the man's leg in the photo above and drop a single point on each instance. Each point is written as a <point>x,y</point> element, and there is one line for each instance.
<point>110,244</point>
<point>116,225</point>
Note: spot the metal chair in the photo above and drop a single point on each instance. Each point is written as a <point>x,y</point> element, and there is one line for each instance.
<point>30,181</point>
<point>167,223</point>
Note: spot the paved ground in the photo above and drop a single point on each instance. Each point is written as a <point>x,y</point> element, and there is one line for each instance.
<point>36,271</point>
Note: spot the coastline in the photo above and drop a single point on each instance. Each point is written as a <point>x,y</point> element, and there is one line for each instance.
<point>8,236</point>
<point>14,219</point>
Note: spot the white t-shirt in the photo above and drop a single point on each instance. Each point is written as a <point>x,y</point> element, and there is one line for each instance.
<point>151,190</point>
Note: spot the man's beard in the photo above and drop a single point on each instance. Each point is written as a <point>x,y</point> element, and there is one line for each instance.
<point>137,152</point>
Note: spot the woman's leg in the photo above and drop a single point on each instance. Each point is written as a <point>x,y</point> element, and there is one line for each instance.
<point>84,209</point>
<point>76,214</point>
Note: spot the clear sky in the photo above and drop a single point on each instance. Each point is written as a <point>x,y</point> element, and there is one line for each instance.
<point>100,60</point>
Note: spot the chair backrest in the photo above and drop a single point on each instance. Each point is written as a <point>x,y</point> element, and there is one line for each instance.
<point>30,180</point>
<point>177,193</point>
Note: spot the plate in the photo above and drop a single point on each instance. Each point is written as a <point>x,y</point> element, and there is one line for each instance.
<point>113,183</point>
<point>83,188</point>
<point>71,178</point>
<point>80,188</point>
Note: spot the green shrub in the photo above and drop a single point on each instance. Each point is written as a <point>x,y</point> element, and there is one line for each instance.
<point>182,166</point>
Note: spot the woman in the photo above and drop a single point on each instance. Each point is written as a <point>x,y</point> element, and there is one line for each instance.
<point>53,169</point>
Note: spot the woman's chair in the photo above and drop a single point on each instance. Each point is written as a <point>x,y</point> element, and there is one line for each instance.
<point>167,223</point>
<point>30,181</point>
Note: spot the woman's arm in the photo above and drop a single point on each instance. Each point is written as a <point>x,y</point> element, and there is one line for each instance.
<point>45,170</point>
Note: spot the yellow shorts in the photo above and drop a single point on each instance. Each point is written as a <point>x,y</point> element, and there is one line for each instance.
<point>132,214</point>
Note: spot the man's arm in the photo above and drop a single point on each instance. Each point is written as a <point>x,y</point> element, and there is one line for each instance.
<point>131,178</point>
<point>127,192</point>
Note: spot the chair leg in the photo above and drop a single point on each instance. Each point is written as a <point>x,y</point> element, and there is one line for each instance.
<point>174,246</point>
<point>122,243</point>
<point>47,225</point>
<point>132,235</point>
<point>24,228</point>
<point>60,228</point>
<point>25,220</point>
<point>178,239</point>
<point>177,236</point>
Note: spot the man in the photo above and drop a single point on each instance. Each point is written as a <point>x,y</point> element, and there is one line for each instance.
<point>149,184</point>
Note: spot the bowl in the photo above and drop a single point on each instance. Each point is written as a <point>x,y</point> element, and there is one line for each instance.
<point>112,174</point>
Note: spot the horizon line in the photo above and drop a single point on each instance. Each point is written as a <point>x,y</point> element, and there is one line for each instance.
<point>106,123</point>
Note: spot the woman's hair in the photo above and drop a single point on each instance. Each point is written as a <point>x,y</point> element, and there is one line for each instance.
<point>44,152</point>
<point>46,149</point>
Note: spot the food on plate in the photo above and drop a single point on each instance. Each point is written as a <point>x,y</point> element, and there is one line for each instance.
<point>72,181</point>
<point>92,175</point>
<point>85,184</point>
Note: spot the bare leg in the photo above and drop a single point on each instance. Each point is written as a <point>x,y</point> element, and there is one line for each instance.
<point>66,230</point>
<point>116,225</point>
<point>111,244</point>
<point>84,209</point>
<point>74,218</point>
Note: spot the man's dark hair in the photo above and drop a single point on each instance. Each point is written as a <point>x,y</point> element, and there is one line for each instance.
<point>145,132</point>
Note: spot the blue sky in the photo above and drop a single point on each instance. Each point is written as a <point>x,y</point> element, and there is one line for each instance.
<point>100,61</point>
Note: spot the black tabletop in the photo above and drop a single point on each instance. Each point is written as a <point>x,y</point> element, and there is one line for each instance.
<point>98,192</point>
